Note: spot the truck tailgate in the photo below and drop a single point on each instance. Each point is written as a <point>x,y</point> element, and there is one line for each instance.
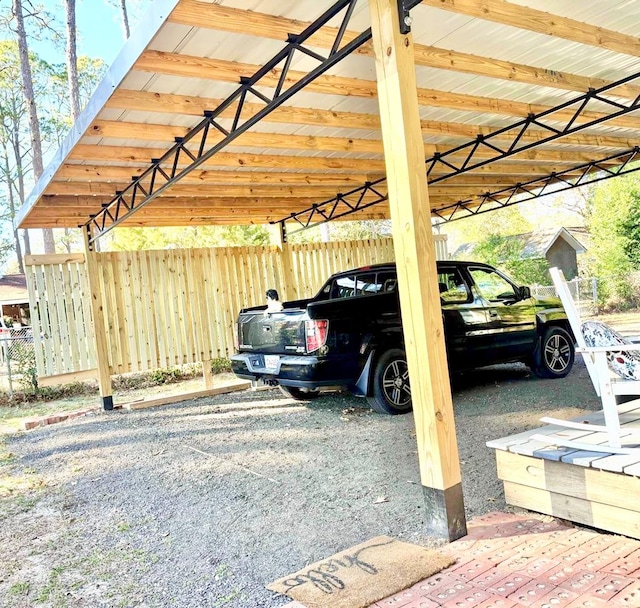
<point>277,333</point>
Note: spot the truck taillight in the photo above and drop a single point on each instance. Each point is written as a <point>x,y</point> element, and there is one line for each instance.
<point>316,332</point>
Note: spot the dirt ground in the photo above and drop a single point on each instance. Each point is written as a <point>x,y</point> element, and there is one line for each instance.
<point>202,503</point>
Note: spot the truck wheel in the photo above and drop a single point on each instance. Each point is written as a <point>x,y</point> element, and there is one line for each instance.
<point>391,390</point>
<point>554,358</point>
<point>297,393</point>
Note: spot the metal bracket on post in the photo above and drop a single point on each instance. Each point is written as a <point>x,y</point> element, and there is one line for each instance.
<point>87,227</point>
<point>283,232</point>
<point>405,17</point>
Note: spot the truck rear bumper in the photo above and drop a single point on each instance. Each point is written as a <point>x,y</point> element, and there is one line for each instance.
<point>289,370</point>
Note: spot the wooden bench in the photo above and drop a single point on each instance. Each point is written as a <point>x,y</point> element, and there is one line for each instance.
<point>593,488</point>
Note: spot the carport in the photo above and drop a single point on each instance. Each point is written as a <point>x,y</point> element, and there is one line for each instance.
<point>219,112</point>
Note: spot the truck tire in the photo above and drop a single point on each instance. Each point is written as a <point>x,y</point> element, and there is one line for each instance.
<point>298,394</point>
<point>391,393</point>
<point>554,358</point>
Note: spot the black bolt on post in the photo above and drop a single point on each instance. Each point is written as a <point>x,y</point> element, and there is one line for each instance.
<point>405,17</point>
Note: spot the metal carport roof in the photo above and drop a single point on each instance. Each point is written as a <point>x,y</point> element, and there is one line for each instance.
<point>481,68</point>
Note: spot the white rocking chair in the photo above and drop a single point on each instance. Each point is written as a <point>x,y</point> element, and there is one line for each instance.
<point>608,384</point>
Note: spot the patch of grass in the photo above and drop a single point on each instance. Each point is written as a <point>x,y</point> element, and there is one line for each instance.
<point>227,598</point>
<point>221,571</point>
<point>17,486</point>
<point>21,588</point>
<point>52,585</point>
<point>86,569</point>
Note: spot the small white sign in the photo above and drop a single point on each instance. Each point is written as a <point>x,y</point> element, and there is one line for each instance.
<point>271,362</point>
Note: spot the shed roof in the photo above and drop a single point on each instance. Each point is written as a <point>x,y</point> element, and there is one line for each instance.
<point>535,244</point>
<point>481,67</point>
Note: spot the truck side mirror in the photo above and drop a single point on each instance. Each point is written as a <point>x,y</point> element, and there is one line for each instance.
<point>524,292</point>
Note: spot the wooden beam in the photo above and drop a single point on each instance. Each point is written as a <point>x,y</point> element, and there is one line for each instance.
<point>160,222</point>
<point>106,189</point>
<point>54,258</point>
<point>220,70</point>
<point>149,101</point>
<point>109,173</point>
<point>85,203</point>
<point>207,177</point>
<point>98,312</point>
<point>238,385</point>
<point>81,376</point>
<point>164,133</point>
<point>417,275</point>
<point>143,156</point>
<point>523,17</point>
<point>156,132</point>
<point>192,66</point>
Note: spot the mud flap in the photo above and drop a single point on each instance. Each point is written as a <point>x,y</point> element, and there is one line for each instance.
<point>361,387</point>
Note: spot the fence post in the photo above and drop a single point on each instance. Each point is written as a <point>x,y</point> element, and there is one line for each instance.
<point>290,287</point>
<point>7,352</point>
<point>99,331</point>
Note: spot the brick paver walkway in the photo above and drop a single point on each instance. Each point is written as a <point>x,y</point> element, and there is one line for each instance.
<point>517,561</point>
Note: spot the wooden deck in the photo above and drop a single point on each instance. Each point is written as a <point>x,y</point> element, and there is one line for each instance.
<point>592,488</point>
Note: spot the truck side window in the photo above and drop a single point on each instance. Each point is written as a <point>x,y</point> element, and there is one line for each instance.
<point>491,285</point>
<point>452,287</point>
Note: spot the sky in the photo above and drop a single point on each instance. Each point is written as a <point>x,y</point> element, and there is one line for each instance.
<point>98,23</point>
<point>99,35</point>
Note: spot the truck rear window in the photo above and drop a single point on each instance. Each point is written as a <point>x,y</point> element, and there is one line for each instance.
<point>364,284</point>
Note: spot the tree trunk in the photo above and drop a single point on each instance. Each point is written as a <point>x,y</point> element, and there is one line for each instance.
<point>27,242</point>
<point>125,18</point>
<point>72,59</point>
<point>34,125</point>
<point>12,205</point>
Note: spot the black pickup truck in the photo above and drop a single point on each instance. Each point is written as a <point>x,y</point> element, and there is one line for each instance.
<point>350,334</point>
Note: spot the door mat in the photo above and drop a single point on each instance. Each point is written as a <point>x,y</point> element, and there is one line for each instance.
<point>362,575</point>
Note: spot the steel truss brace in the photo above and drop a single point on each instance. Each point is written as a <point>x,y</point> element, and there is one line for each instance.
<point>203,140</point>
<point>588,173</point>
<point>545,127</point>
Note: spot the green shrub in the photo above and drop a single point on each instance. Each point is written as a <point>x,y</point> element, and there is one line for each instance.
<point>220,365</point>
<point>23,356</point>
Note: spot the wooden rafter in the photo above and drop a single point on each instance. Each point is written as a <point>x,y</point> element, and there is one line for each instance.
<point>541,22</point>
<point>157,132</point>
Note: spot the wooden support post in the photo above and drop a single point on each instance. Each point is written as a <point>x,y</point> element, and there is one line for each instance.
<point>99,331</point>
<point>207,374</point>
<point>289,288</point>
<point>417,275</point>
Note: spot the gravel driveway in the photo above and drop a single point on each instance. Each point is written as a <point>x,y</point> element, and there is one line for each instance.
<point>202,503</point>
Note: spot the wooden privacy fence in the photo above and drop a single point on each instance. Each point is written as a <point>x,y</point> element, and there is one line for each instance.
<point>170,307</point>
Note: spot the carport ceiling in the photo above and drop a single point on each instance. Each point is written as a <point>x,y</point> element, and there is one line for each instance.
<point>482,67</point>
